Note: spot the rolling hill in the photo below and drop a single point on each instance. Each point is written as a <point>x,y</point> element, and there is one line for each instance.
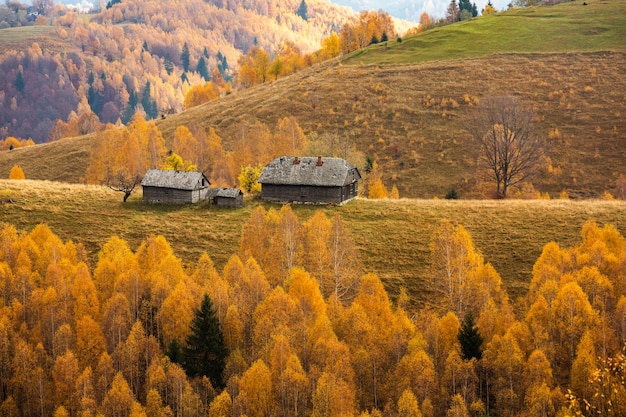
<point>510,234</point>
<point>108,60</point>
<point>406,104</point>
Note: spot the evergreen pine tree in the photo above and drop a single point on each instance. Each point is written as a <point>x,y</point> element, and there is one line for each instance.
<point>94,98</point>
<point>384,37</point>
<point>184,57</point>
<point>302,10</point>
<point>167,63</point>
<point>205,53</point>
<point>129,112</point>
<point>19,82</point>
<point>205,352</point>
<point>202,69</point>
<point>174,352</point>
<point>470,339</point>
<point>148,104</point>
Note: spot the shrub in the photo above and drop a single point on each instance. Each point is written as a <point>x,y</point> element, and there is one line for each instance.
<point>452,195</point>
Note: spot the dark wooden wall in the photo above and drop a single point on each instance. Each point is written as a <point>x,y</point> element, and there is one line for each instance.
<point>307,193</point>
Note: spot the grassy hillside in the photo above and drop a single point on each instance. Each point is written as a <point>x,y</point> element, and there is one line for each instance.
<point>411,118</point>
<point>510,234</point>
<point>567,27</point>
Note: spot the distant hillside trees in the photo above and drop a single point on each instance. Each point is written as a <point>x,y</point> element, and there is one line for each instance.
<point>467,9</point>
<point>370,25</point>
<point>37,91</point>
<point>453,12</point>
<point>129,44</point>
<point>13,14</point>
<point>489,9</point>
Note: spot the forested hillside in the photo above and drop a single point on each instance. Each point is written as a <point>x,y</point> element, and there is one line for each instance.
<point>305,330</point>
<point>137,56</point>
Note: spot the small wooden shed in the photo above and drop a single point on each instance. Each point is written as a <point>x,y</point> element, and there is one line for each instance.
<point>174,187</point>
<point>226,197</point>
<point>309,180</point>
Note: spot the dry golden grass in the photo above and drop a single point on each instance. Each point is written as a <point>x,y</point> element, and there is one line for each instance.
<point>394,115</point>
<point>409,114</point>
<point>64,160</point>
<point>21,38</point>
<point>392,235</point>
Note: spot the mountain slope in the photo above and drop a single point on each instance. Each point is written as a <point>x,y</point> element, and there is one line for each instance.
<point>411,118</point>
<point>113,60</point>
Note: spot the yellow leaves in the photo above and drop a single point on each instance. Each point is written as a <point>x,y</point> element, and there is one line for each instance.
<point>377,190</point>
<point>330,46</point>
<point>120,157</point>
<point>16,173</point>
<point>333,397</point>
<point>249,179</point>
<point>256,390</point>
<point>199,94</point>
<point>408,406</point>
<point>221,405</point>
<point>175,163</point>
<point>176,314</point>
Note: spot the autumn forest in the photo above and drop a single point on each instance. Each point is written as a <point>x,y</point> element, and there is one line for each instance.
<point>451,297</point>
<point>305,330</point>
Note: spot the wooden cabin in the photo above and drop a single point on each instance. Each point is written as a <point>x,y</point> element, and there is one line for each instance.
<point>225,197</point>
<point>309,180</point>
<point>174,187</point>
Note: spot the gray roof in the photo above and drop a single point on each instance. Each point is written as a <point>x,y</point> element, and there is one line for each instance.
<point>306,171</point>
<point>224,192</point>
<point>180,180</point>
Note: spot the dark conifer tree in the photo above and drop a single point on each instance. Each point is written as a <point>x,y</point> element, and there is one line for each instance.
<point>470,339</point>
<point>205,352</point>
<point>303,10</point>
<point>174,352</point>
<point>202,69</point>
<point>167,63</point>
<point>19,82</point>
<point>149,105</point>
<point>184,57</point>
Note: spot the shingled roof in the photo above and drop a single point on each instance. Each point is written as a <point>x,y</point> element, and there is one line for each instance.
<point>307,170</point>
<point>224,192</point>
<point>180,180</point>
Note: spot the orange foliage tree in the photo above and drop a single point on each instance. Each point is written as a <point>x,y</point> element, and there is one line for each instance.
<point>120,157</point>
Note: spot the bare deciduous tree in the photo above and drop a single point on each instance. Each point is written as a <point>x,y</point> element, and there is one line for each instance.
<point>510,149</point>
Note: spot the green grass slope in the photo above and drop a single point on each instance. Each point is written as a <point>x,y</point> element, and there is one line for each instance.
<point>392,236</point>
<point>567,27</point>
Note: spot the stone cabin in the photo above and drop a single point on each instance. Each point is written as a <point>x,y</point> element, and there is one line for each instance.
<point>174,187</point>
<point>309,180</point>
<point>226,197</point>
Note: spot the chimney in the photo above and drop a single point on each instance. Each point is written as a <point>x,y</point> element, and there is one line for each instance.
<point>296,160</point>
<point>319,161</point>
